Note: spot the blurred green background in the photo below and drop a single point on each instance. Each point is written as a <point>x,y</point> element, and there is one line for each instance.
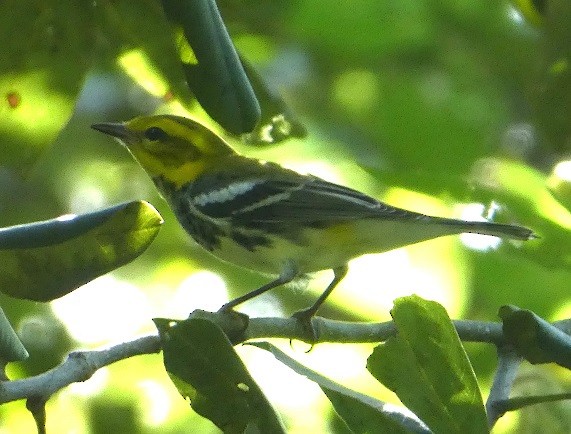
<point>452,108</point>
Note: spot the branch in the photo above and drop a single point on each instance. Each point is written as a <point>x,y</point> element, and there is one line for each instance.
<point>79,366</point>
<point>329,330</point>
<point>508,364</point>
<point>524,401</point>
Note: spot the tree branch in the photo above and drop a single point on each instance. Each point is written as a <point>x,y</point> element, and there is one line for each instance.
<point>361,332</point>
<point>79,366</point>
<point>508,364</point>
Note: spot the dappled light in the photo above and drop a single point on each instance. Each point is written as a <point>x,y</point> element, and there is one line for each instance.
<point>475,212</point>
<point>82,310</point>
<point>139,67</point>
<point>200,290</point>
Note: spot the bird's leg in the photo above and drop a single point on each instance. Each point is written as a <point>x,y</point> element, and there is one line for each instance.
<point>304,316</point>
<point>287,275</point>
<point>241,318</point>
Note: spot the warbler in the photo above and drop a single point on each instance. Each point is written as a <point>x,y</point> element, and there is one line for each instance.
<point>270,219</point>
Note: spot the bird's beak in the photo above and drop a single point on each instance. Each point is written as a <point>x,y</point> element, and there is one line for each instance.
<point>117,130</point>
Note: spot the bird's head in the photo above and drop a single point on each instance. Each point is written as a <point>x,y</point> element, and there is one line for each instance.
<point>176,148</point>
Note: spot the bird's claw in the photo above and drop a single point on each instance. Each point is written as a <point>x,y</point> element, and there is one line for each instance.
<point>310,331</point>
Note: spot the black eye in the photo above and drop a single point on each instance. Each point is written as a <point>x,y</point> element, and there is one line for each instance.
<point>155,133</point>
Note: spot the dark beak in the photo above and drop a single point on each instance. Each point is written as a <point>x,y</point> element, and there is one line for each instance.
<point>117,130</point>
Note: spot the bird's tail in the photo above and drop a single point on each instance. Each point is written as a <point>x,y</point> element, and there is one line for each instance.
<point>497,230</point>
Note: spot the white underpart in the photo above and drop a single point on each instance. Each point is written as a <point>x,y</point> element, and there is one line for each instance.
<point>225,194</point>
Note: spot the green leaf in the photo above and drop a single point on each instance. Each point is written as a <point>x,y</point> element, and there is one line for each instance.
<point>211,64</point>
<point>44,57</point>
<point>361,413</point>
<point>426,366</point>
<point>45,260</point>
<point>203,365</point>
<point>147,53</point>
<point>534,338</point>
<point>11,348</point>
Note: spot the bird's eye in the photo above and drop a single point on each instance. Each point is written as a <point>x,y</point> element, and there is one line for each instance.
<point>155,133</point>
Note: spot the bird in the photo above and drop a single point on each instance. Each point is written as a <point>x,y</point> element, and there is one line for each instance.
<point>270,219</point>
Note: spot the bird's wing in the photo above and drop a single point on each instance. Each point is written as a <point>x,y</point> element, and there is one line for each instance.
<point>286,197</point>
<point>317,200</point>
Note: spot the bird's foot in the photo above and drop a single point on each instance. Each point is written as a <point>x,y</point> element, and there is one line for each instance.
<point>308,326</point>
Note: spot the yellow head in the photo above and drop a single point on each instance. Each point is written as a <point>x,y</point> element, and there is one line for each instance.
<point>176,148</point>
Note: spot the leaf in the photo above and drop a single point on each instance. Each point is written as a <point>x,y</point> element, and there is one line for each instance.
<point>147,53</point>
<point>211,64</point>
<point>427,367</point>
<point>204,367</point>
<point>45,260</point>
<point>361,413</point>
<point>534,338</point>
<point>11,348</point>
<point>44,56</point>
